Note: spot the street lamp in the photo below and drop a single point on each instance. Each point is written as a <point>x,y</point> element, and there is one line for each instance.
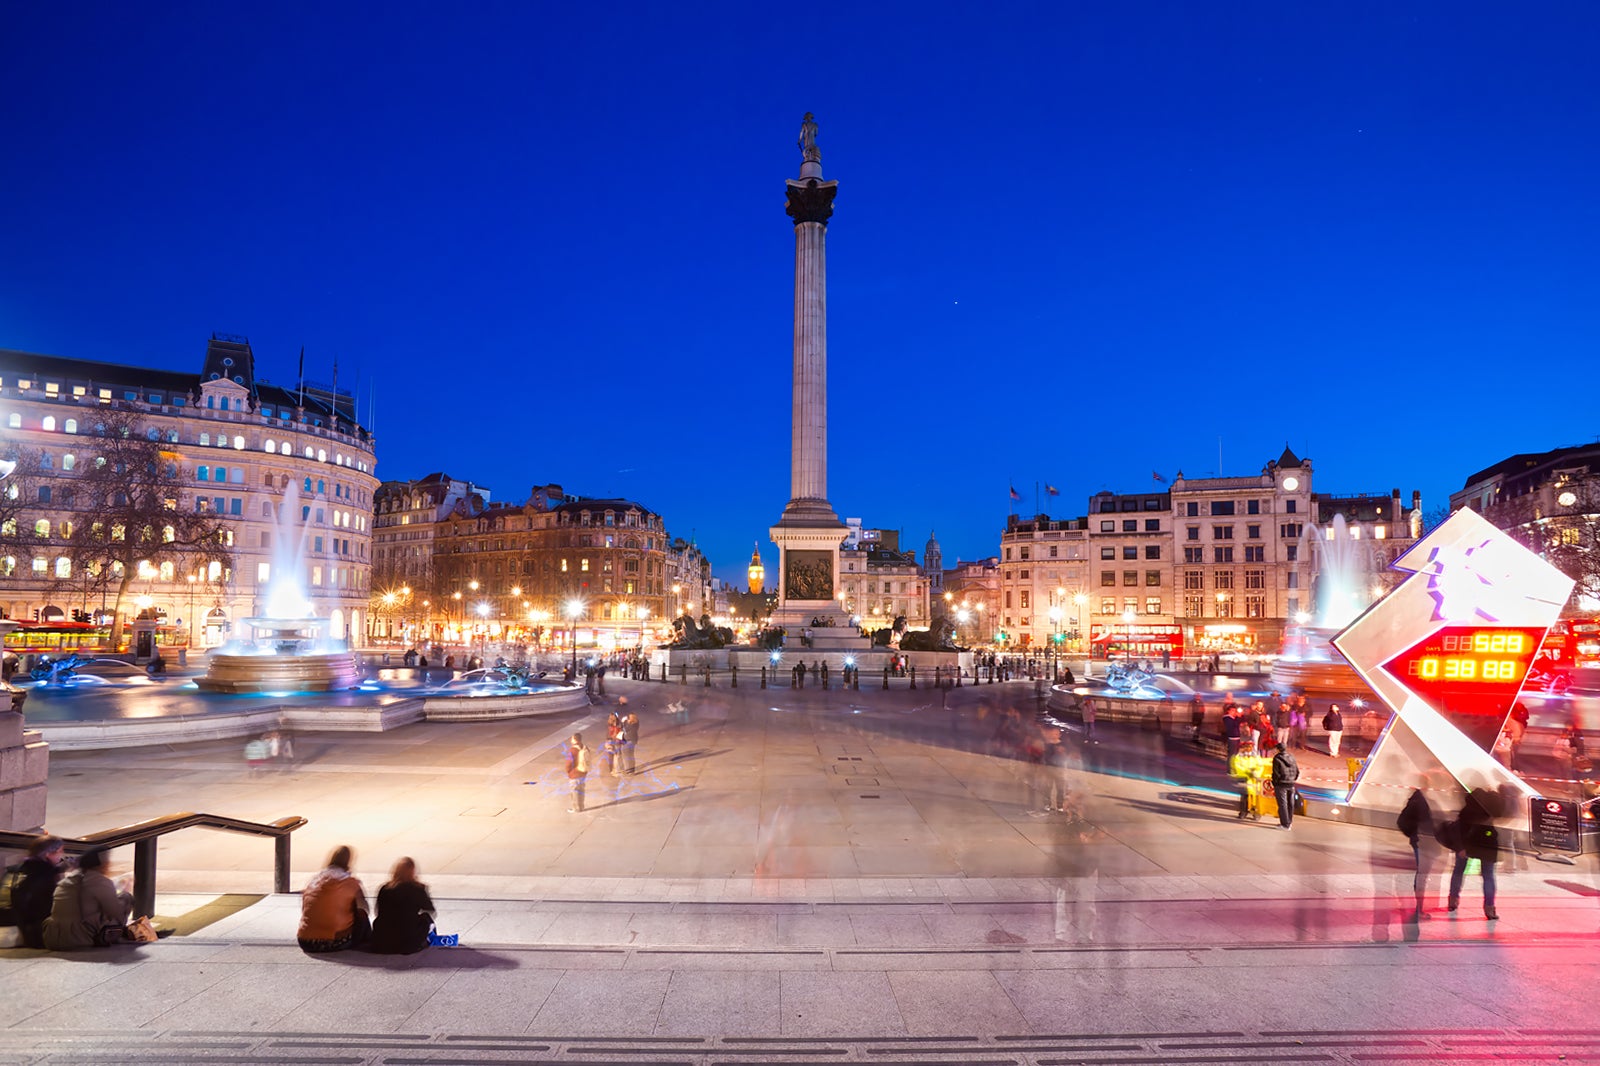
<point>574,610</point>
<point>1055,629</point>
<point>677,601</point>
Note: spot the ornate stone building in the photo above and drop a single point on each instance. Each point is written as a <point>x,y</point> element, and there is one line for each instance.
<point>1044,565</point>
<point>234,443</point>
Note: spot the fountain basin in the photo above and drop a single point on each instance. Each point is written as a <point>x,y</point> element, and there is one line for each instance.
<point>302,672</point>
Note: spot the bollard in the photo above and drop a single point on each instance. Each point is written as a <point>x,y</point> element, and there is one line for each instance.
<point>683,674</point>
<point>763,677</point>
<point>912,671</point>
<point>855,676</point>
<point>663,673</point>
<point>958,677</point>
<point>708,677</point>
<point>885,677</point>
<point>734,670</point>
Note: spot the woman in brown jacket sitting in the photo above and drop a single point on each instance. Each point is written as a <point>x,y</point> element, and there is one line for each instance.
<point>333,908</point>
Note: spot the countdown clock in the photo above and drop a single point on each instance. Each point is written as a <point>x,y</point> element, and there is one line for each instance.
<point>1470,673</point>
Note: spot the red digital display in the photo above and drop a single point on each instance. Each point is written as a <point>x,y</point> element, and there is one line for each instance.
<point>1471,674</point>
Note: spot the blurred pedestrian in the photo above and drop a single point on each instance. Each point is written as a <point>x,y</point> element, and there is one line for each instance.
<point>630,738</point>
<point>1478,839</point>
<point>1333,722</point>
<point>87,909</point>
<point>577,771</point>
<point>405,913</point>
<point>1416,822</point>
<point>1285,772</point>
<point>1197,715</point>
<point>1089,714</point>
<point>333,908</point>
<point>33,888</point>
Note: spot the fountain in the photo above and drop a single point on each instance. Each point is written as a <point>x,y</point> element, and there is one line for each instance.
<point>1309,663</point>
<point>286,651</point>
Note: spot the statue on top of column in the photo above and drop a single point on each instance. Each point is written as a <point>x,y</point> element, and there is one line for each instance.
<point>809,151</point>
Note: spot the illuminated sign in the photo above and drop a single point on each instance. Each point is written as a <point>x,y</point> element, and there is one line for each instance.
<point>1470,674</point>
<point>1449,650</point>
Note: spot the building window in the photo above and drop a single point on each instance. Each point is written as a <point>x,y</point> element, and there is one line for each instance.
<point>1152,551</point>
<point>1108,605</point>
<point>1130,577</point>
<point>1152,525</point>
<point>1255,553</point>
<point>1293,580</point>
<point>1152,605</point>
<point>1224,608</point>
<point>1152,577</point>
<point>1192,510</point>
<point>1221,507</point>
<point>1255,579</point>
<point>1193,580</point>
<point>1130,551</point>
<point>1192,533</point>
<point>1106,526</point>
<point>1291,553</point>
<point>1224,579</point>
<point>1255,606</point>
<point>1053,548</point>
<point>1222,555</point>
<point>1108,577</point>
<point>1289,506</point>
<point>1253,532</point>
<point>1130,525</point>
<point>1221,532</point>
<point>1290,530</point>
<point>1022,553</point>
<point>1194,606</point>
<point>1194,555</point>
<point>1023,599</point>
<point>1379,532</point>
<point>1108,553</point>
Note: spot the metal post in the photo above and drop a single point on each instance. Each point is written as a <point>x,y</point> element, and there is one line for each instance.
<point>912,670</point>
<point>734,670</point>
<point>683,674</point>
<point>885,677</point>
<point>763,677</point>
<point>144,877</point>
<point>663,673</point>
<point>280,863</point>
<point>708,676</point>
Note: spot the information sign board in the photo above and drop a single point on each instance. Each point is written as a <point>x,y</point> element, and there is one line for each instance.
<point>1554,824</point>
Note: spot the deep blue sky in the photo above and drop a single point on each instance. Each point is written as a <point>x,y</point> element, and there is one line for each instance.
<point>1073,243</point>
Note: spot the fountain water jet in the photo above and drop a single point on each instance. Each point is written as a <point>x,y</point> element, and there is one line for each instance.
<point>1309,663</point>
<point>286,651</point>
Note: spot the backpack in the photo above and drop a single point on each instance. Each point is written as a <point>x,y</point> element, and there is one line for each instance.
<point>583,760</point>
<point>1448,834</point>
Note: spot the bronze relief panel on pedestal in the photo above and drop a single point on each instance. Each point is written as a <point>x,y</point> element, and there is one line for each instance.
<point>808,575</point>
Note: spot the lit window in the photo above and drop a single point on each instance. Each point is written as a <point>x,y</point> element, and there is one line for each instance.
<point>1379,532</point>
<point>271,446</point>
<point>70,425</point>
<point>48,422</point>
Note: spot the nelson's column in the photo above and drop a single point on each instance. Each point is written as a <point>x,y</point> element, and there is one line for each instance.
<point>808,534</point>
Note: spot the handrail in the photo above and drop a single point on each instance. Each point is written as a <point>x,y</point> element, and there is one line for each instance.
<point>144,836</point>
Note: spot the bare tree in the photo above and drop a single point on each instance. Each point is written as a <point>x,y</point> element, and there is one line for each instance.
<point>1569,538</point>
<point>18,499</point>
<point>134,516</point>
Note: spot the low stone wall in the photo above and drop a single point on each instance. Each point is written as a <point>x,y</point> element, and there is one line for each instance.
<point>182,729</point>
<point>24,766</point>
<point>495,708</point>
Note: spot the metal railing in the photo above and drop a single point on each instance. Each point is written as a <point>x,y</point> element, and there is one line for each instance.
<point>144,836</point>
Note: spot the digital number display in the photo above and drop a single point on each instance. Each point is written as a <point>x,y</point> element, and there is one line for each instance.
<point>1473,671</point>
<point>1493,657</point>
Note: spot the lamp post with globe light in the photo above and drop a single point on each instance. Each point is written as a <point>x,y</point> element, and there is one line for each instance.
<point>574,611</point>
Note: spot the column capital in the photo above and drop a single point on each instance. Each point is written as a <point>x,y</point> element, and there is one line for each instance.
<point>810,200</point>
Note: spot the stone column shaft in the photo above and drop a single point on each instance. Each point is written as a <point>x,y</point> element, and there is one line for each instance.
<point>808,472</point>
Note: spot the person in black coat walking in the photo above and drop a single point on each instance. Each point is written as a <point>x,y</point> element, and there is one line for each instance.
<point>1285,772</point>
<point>1416,822</point>
<point>1475,837</point>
